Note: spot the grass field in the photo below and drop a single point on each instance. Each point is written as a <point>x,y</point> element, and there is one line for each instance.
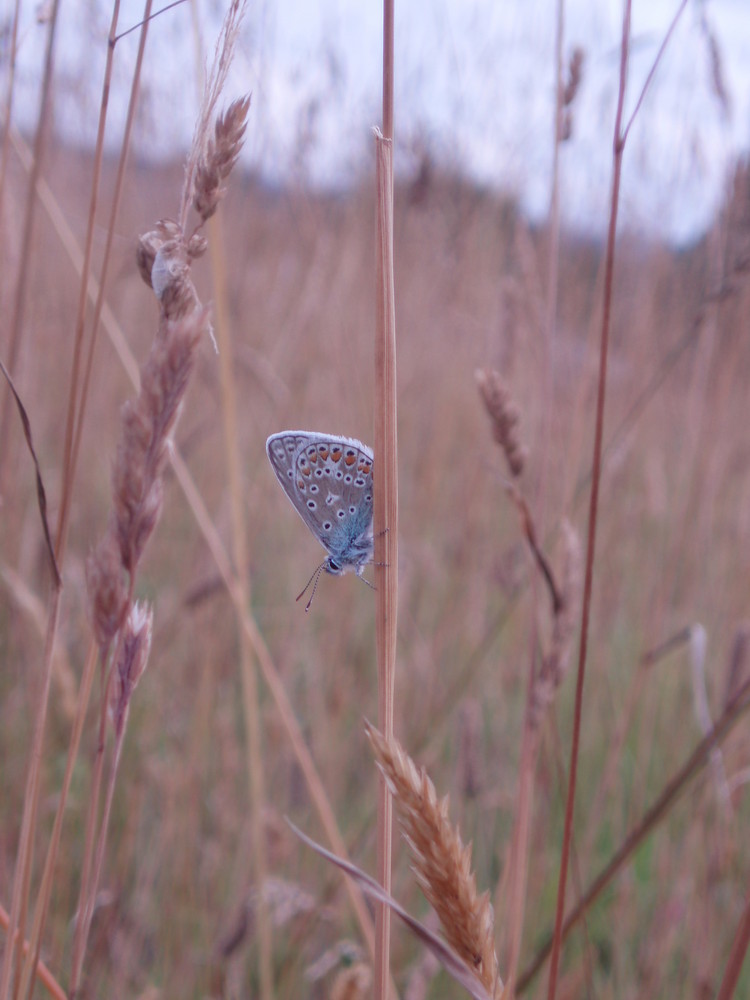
<point>175,913</point>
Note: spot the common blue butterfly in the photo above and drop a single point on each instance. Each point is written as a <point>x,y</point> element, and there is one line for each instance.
<point>329,481</point>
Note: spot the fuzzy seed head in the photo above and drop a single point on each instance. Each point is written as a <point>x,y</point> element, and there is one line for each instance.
<point>133,651</point>
<point>106,588</point>
<point>441,862</point>
<point>504,417</point>
<point>220,156</point>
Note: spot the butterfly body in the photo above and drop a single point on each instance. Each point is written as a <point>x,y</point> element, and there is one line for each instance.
<point>329,482</point>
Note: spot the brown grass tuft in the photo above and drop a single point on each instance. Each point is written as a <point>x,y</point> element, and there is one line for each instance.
<point>442,863</point>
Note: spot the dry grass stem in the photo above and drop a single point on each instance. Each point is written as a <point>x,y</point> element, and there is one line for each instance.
<point>504,416</point>
<point>441,862</point>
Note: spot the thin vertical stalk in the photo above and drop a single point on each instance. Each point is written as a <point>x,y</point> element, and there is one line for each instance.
<point>553,268</point>
<point>385,489</point>
<point>22,875</point>
<point>24,263</point>
<point>618,148</point>
<point>518,867</point>
<point>76,406</point>
<point>111,227</point>
<point>620,137</point>
<point>222,330</point>
<point>12,50</point>
<point>737,955</point>
<point>45,888</point>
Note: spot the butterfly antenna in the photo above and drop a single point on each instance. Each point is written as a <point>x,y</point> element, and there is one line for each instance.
<point>315,577</point>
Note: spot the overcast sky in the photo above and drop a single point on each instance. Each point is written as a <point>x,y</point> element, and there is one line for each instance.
<point>474,89</point>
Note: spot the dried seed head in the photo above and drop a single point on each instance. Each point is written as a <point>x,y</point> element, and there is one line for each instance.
<point>146,425</point>
<point>505,417</point>
<point>219,157</point>
<point>106,588</point>
<point>575,75</point>
<point>555,664</point>
<point>570,89</point>
<point>442,864</point>
<point>133,651</point>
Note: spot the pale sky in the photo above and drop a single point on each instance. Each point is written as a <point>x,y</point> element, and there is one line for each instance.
<point>474,87</point>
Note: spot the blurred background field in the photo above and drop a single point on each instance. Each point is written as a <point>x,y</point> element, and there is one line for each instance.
<point>177,902</point>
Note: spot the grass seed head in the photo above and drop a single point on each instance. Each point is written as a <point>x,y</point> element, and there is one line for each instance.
<point>131,662</point>
<point>441,862</point>
<point>504,416</point>
<point>106,588</point>
<point>219,157</point>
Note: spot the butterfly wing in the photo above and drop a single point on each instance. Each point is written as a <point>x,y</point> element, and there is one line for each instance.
<point>329,482</point>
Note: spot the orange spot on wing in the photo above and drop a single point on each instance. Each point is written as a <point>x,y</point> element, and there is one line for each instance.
<point>350,458</point>
<point>336,454</point>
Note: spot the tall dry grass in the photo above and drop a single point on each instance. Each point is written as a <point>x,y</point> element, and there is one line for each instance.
<point>658,862</point>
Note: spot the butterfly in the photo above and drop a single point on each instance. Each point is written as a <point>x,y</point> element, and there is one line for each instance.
<point>329,481</point>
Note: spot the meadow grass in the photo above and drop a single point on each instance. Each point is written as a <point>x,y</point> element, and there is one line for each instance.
<point>178,905</point>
